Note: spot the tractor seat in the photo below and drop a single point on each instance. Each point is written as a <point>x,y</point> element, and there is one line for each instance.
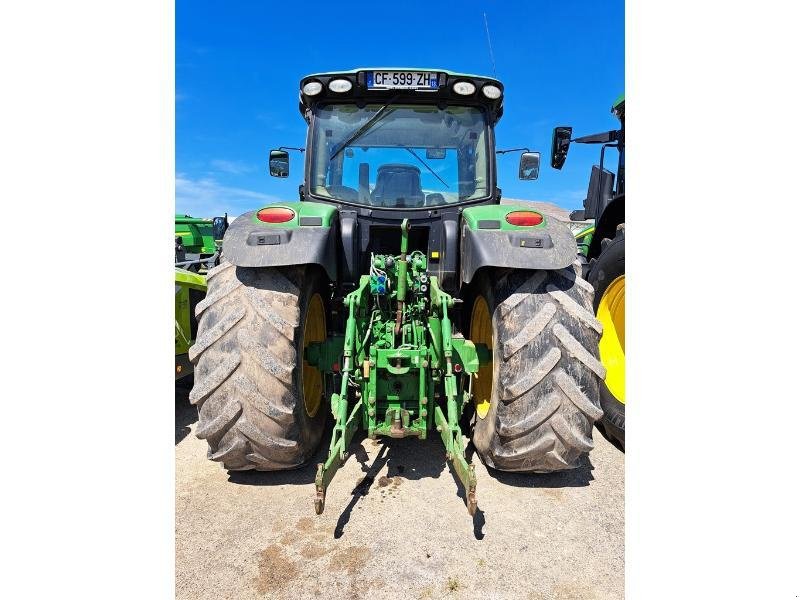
<point>398,186</point>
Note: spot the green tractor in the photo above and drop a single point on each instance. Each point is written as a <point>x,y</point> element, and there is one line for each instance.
<point>602,246</point>
<point>398,295</point>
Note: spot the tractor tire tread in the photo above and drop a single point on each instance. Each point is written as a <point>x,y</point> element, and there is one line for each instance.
<point>603,269</point>
<point>546,371</point>
<point>246,387</point>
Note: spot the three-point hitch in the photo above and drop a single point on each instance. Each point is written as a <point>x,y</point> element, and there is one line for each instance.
<point>399,361</point>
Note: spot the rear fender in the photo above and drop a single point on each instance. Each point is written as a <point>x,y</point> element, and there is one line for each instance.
<point>488,240</point>
<point>309,238</point>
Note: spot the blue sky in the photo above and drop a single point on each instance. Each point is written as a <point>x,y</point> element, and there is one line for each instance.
<point>238,65</point>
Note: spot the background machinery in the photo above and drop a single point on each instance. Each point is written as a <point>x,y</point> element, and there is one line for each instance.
<point>197,248</point>
<point>198,241</point>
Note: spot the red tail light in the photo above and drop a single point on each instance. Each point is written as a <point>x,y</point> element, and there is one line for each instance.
<point>277,214</point>
<point>524,218</point>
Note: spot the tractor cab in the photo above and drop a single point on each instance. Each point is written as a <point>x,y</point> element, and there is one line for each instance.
<point>400,139</point>
<point>388,144</point>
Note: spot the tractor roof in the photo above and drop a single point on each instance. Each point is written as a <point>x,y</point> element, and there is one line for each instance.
<point>365,69</point>
<point>618,108</point>
<point>362,91</point>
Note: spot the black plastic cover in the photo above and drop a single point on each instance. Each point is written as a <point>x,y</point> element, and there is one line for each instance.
<point>601,190</point>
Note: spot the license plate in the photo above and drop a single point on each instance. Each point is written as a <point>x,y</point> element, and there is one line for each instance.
<point>402,80</point>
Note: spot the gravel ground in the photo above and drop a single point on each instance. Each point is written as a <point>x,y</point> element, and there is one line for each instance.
<point>395,526</point>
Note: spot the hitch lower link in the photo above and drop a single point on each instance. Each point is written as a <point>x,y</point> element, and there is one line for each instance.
<point>346,424</point>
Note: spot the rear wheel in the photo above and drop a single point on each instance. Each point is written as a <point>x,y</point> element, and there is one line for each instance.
<point>536,403</point>
<point>607,276</point>
<point>260,405</point>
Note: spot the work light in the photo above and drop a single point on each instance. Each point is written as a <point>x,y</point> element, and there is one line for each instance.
<point>464,88</point>
<point>312,88</point>
<point>340,86</point>
<point>492,92</point>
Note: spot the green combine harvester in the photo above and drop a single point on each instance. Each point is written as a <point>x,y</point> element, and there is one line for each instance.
<point>398,295</point>
<point>602,246</point>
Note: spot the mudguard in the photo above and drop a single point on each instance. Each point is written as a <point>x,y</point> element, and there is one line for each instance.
<point>488,240</point>
<point>308,238</point>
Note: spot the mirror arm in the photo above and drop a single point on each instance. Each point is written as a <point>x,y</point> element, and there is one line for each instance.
<point>512,150</point>
<point>291,148</point>
<point>598,138</point>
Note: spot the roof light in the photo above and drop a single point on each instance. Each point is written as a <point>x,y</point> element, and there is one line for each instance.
<point>340,86</point>
<point>492,92</point>
<point>312,88</point>
<point>464,88</point>
<point>275,214</point>
<point>524,218</point>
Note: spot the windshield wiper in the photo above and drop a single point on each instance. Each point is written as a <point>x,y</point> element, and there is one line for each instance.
<point>415,155</point>
<point>363,129</point>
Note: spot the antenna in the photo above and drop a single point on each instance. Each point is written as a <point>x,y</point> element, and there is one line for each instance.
<point>489,39</point>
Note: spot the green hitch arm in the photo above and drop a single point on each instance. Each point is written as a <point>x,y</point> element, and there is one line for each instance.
<point>402,269</point>
<point>455,454</point>
<point>343,435</point>
<point>448,426</point>
<point>402,264</point>
<point>345,422</point>
<point>447,338</point>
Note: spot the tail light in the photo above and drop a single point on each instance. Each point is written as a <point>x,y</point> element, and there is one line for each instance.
<point>276,214</point>
<point>524,218</point>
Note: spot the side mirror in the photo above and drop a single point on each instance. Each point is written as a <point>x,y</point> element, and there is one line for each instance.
<point>529,165</point>
<point>279,163</point>
<point>220,226</point>
<point>560,146</point>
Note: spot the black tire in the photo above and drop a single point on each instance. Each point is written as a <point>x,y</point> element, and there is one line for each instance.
<point>248,357</point>
<point>609,265</point>
<point>546,371</point>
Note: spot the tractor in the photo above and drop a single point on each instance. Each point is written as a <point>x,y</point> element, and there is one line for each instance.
<point>602,249</point>
<point>397,295</point>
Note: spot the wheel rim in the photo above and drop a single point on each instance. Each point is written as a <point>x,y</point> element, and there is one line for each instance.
<point>480,332</point>
<point>314,330</point>
<point>611,313</point>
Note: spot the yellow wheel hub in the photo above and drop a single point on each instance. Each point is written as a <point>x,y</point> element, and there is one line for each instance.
<point>314,330</point>
<point>611,313</point>
<point>480,332</point>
